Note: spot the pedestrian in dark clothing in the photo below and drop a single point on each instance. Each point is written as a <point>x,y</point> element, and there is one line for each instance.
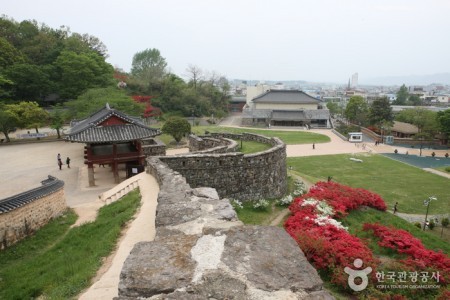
<point>395,208</point>
<point>68,162</point>
<point>60,163</point>
<point>314,146</point>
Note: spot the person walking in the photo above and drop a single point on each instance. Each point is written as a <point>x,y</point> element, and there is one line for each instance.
<point>68,162</point>
<point>60,164</point>
<point>395,207</point>
<point>314,146</point>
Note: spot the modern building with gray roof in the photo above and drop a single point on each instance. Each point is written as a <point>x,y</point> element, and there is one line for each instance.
<point>286,108</point>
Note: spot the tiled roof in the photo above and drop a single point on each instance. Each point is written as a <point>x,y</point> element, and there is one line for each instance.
<point>89,131</point>
<point>285,97</point>
<point>49,186</point>
<point>405,128</point>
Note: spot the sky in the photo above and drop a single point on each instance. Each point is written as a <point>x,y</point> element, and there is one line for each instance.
<point>315,40</point>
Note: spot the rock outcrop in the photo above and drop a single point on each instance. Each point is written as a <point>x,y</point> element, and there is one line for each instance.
<point>202,251</point>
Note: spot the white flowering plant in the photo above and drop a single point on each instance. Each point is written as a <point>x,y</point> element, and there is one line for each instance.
<point>300,189</point>
<point>236,204</point>
<point>261,204</point>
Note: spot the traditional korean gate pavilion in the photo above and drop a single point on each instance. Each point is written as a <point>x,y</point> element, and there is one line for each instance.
<point>111,138</point>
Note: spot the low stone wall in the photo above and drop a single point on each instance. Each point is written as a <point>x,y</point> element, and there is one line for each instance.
<point>208,144</point>
<point>23,214</point>
<point>153,147</point>
<point>202,251</point>
<point>235,175</point>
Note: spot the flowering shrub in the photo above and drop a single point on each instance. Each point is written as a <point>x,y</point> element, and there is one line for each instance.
<point>261,204</point>
<point>300,189</point>
<point>418,256</point>
<point>285,200</point>
<point>342,198</point>
<point>236,204</point>
<point>325,242</point>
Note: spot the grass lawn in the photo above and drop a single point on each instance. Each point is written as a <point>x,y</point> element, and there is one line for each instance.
<point>288,137</point>
<point>357,218</point>
<point>253,147</point>
<point>393,180</point>
<point>58,262</point>
<point>252,216</point>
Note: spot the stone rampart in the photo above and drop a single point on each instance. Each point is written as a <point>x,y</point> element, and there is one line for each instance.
<point>153,147</point>
<point>235,175</point>
<point>23,214</point>
<point>208,144</point>
<point>202,251</point>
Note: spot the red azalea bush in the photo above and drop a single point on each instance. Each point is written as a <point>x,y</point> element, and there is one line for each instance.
<point>342,198</point>
<point>327,246</point>
<point>418,256</point>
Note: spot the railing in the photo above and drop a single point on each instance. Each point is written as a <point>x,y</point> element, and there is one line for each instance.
<point>120,190</point>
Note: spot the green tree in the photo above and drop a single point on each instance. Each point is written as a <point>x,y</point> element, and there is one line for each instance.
<point>9,55</point>
<point>85,43</point>
<point>356,110</point>
<point>5,85</point>
<point>80,72</point>
<point>402,95</point>
<point>334,108</point>
<point>29,81</point>
<point>28,114</point>
<point>443,118</point>
<point>170,98</point>
<point>57,118</point>
<point>414,100</point>
<point>380,111</point>
<point>95,99</point>
<point>8,122</point>
<point>177,127</point>
<point>148,66</point>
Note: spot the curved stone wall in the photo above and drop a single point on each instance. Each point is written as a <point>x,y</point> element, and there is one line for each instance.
<point>234,175</point>
<point>24,213</point>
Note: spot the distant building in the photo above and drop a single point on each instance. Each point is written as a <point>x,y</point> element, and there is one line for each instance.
<point>404,130</point>
<point>354,80</point>
<point>237,103</point>
<point>286,108</point>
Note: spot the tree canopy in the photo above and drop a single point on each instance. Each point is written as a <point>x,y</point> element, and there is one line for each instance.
<point>28,114</point>
<point>380,111</point>
<point>148,66</point>
<point>38,60</point>
<point>356,110</point>
<point>177,127</point>
<point>402,95</point>
<point>444,121</point>
<point>95,99</point>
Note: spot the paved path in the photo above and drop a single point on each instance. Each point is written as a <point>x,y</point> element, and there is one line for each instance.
<point>141,229</point>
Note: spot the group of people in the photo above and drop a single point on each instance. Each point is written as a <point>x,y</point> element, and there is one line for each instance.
<point>60,163</point>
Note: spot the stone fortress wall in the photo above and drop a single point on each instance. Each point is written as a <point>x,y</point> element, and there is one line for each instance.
<point>202,251</point>
<point>23,214</point>
<point>215,163</point>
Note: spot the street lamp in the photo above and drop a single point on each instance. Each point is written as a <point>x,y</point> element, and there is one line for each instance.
<point>426,202</point>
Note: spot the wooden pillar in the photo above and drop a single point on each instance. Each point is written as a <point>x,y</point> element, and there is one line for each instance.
<point>115,165</point>
<point>91,174</point>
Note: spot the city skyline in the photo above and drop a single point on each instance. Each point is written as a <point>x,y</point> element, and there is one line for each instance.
<point>316,41</point>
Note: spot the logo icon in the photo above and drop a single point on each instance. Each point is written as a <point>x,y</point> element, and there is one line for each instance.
<point>353,274</point>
